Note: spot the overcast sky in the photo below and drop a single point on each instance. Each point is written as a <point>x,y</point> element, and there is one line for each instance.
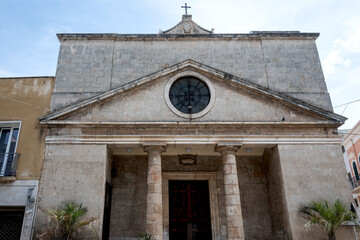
<point>29,47</point>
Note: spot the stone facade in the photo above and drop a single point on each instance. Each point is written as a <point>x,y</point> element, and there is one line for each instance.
<point>267,143</point>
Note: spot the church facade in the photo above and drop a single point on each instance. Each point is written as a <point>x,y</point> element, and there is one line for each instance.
<point>188,134</point>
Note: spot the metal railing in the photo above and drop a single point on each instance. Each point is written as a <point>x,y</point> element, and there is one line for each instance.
<point>355,182</point>
<point>8,164</point>
<point>11,223</point>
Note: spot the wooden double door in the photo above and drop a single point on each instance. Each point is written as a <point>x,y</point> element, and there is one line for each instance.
<point>189,210</point>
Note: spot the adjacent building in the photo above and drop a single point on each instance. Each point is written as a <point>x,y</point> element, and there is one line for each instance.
<point>351,152</point>
<point>22,102</point>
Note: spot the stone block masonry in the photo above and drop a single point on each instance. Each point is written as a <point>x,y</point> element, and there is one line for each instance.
<point>73,173</point>
<point>95,63</point>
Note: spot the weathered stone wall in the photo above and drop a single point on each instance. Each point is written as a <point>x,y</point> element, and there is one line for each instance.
<point>347,232</point>
<point>254,198</point>
<point>276,195</point>
<point>292,66</point>
<point>312,172</point>
<point>109,161</point>
<point>128,205</point>
<point>73,173</point>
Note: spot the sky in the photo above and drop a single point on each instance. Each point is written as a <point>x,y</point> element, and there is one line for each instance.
<point>29,46</point>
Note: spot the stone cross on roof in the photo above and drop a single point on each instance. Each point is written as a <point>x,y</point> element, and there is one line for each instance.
<point>186,7</point>
<point>186,26</point>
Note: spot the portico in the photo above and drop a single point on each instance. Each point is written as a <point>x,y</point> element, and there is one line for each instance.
<point>215,164</point>
<point>155,206</point>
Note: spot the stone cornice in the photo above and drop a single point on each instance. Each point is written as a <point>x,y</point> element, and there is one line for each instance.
<point>255,35</point>
<point>55,123</point>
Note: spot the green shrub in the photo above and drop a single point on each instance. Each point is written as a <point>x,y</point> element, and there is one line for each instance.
<point>65,222</point>
<point>329,216</point>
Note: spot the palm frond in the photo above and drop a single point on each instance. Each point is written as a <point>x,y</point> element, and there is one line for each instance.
<point>329,216</point>
<point>68,220</point>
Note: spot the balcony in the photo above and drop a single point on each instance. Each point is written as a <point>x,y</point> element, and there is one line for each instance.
<point>8,163</point>
<point>355,184</point>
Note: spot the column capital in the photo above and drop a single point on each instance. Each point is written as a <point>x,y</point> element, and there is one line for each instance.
<point>227,147</point>
<point>154,147</point>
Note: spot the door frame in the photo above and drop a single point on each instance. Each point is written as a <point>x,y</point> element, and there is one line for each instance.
<point>193,176</point>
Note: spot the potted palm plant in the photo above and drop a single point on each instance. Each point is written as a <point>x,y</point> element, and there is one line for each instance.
<point>66,221</point>
<point>330,216</point>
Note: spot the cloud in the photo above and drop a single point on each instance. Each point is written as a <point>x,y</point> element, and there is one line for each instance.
<point>344,51</point>
<point>352,43</point>
<point>6,73</point>
<point>333,60</point>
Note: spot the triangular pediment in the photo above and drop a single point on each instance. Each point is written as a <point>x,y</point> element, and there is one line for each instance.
<point>187,26</point>
<point>236,100</point>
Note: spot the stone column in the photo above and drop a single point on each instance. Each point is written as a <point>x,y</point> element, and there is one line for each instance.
<point>234,221</point>
<point>154,217</point>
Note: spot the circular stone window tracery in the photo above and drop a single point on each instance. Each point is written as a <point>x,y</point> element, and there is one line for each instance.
<point>189,94</point>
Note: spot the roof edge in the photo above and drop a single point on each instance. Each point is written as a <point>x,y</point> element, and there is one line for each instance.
<point>26,77</point>
<point>352,132</point>
<point>212,36</point>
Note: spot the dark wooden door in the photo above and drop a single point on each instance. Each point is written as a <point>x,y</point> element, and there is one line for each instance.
<point>189,210</point>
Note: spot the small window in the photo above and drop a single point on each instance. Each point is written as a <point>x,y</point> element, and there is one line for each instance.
<point>9,133</point>
<point>356,173</point>
<point>342,148</point>
<point>11,221</point>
